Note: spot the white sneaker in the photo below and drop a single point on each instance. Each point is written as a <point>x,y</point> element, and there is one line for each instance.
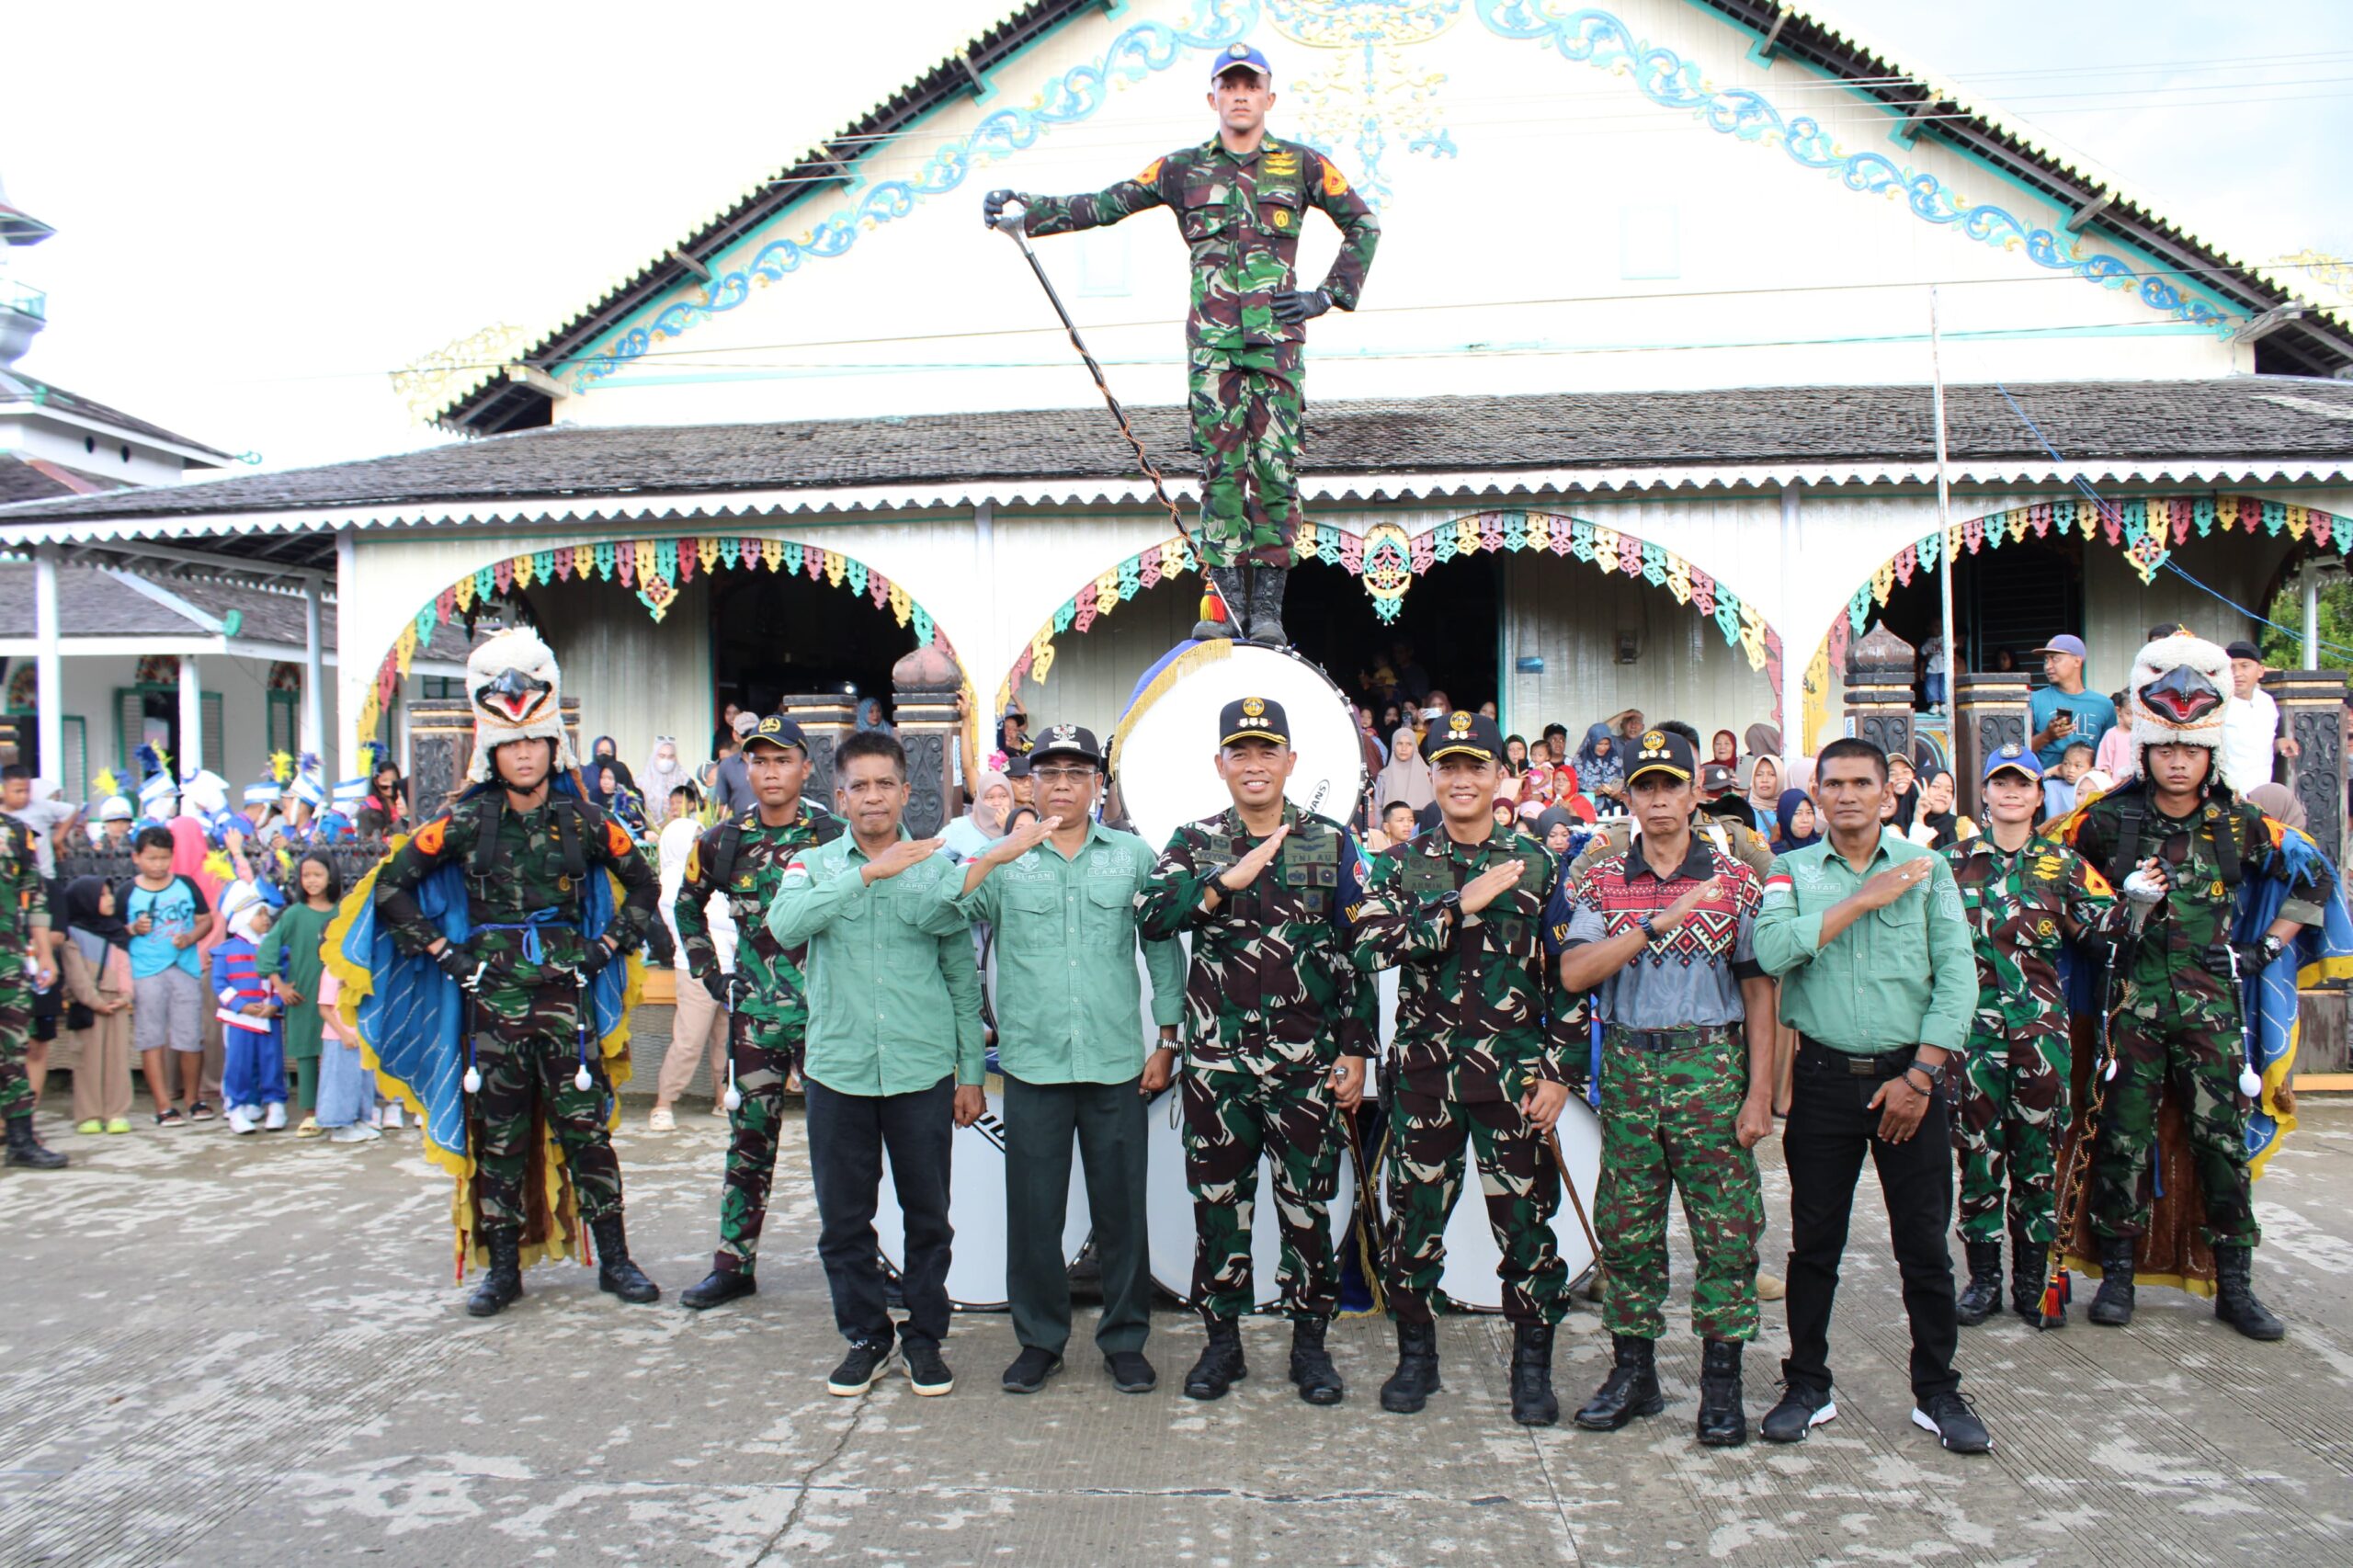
<point>719,1109</point>
<point>661,1121</point>
<point>238,1121</point>
<point>274,1119</point>
<point>392,1116</point>
<point>357,1132</point>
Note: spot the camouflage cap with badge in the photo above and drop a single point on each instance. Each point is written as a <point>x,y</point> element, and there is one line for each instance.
<point>1459,734</point>
<point>776,731</point>
<point>1662,751</point>
<point>1254,719</point>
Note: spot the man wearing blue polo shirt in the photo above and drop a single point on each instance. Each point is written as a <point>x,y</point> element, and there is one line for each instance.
<point>2063,712</point>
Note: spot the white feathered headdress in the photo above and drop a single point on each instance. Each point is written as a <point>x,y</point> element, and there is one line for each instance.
<point>517,695</point>
<point>2179,693</point>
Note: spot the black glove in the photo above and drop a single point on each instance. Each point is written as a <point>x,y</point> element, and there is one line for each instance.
<point>721,986</point>
<point>992,205</point>
<point>460,966</point>
<point>2254,957</point>
<point>1300,305</point>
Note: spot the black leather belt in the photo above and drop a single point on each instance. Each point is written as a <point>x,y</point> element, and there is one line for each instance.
<point>1883,1064</point>
<point>1685,1038</point>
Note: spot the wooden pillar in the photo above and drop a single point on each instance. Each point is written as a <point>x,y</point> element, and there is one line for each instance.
<point>923,686</point>
<point>441,746</point>
<point>2310,704</point>
<point>1989,712</point>
<point>1878,690</point>
<point>824,718</point>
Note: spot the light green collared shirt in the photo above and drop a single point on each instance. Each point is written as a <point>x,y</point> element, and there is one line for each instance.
<point>1903,975</point>
<point>1069,1002</point>
<point>895,1001</point>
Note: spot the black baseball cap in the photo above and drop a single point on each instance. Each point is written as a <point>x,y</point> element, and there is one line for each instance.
<point>1464,734</point>
<point>1662,751</point>
<point>2244,650</point>
<point>1067,740</point>
<point>1254,719</point>
<point>779,732</point>
<point>1018,766</point>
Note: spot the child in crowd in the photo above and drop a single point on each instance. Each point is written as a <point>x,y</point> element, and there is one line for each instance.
<point>167,915</point>
<point>2059,788</point>
<point>347,1089</point>
<point>253,1071</point>
<point>290,963</point>
<point>94,960</point>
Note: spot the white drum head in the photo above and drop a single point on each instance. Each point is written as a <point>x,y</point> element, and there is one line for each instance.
<point>1164,753</point>
<point>1469,1277</point>
<point>1169,1217</point>
<point>976,1208</point>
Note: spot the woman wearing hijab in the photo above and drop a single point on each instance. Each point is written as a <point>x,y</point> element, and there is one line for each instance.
<point>1407,776</point>
<point>94,960</point>
<point>1761,740</point>
<point>1760,781</point>
<point>665,771</point>
<point>1936,826</point>
<point>869,716</point>
<point>1601,771</point>
<point>1904,790</point>
<point>969,836</point>
<point>603,748</point>
<point>609,789</point>
<point>1557,826</point>
<point>1797,823</point>
<point>1726,750</point>
<point>2277,801</point>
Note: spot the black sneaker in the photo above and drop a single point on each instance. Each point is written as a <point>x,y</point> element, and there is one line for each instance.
<point>1130,1373</point>
<point>925,1370</point>
<point>200,1111</point>
<point>1801,1411</point>
<point>858,1370</point>
<point>1956,1425</point>
<point>1030,1370</point>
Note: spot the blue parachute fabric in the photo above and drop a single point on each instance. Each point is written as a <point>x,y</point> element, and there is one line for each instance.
<point>2323,951</point>
<point>414,1018</point>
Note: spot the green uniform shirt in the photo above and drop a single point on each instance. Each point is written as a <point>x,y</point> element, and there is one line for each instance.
<point>895,1001</point>
<point>1903,975</point>
<point>1069,1003</point>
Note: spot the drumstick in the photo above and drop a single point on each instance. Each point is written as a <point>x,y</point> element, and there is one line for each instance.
<point>1553,1141</point>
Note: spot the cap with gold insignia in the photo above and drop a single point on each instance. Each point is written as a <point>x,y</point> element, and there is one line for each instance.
<point>1662,751</point>
<point>1253,719</point>
<point>2013,758</point>
<point>776,731</point>
<point>1239,57</point>
<point>1459,734</point>
<point>1067,740</point>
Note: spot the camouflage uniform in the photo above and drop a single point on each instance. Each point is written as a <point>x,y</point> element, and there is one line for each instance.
<point>2022,909</point>
<point>523,900</point>
<point>1271,1000</point>
<point>769,1010</point>
<point>1241,217</point>
<point>2181,1025</point>
<point>1473,1032</point>
<point>1674,1076</point>
<point>24,909</point>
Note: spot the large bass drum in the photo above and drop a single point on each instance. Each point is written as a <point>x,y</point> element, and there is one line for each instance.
<point>1169,1231</point>
<point>1163,754</point>
<point>976,1208</point>
<point>1471,1278</point>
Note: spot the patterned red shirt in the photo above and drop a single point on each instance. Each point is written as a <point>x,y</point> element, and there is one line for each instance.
<point>1692,974</point>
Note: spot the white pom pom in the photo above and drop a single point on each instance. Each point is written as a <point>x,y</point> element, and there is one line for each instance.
<point>733,1100</point>
<point>2249,1084</point>
<point>2108,1075</point>
<point>581,1080</point>
<point>473,1081</point>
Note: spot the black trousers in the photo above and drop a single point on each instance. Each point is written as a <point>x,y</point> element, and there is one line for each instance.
<point>1106,1123</point>
<point>847,1136</point>
<point>1828,1131</point>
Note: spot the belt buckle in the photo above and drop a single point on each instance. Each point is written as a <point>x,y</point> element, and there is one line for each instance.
<point>1861,1066</point>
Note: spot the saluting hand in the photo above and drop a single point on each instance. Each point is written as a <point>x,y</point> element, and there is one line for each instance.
<point>1489,885</point>
<point>899,856</point>
<point>1680,910</point>
<point>1892,883</point>
<point>1020,841</point>
<point>1245,871</point>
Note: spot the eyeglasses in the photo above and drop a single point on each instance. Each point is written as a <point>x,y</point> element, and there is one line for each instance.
<point>1061,775</point>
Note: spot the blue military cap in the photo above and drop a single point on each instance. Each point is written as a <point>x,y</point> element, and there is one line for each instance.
<point>1236,57</point>
<point>2015,758</point>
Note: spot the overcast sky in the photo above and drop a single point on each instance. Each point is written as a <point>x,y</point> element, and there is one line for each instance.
<point>259,217</point>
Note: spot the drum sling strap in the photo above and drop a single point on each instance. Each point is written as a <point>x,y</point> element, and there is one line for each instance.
<point>488,854</point>
<point>2125,858</point>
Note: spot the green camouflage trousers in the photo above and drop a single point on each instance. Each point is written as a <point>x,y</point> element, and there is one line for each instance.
<point>2184,1043</point>
<point>526,1051</point>
<point>15,1030</point>
<point>1248,413</point>
<point>2013,1107</point>
<point>1671,1118</point>
<point>1427,1139</point>
<point>764,1051</point>
<point>1230,1120</point>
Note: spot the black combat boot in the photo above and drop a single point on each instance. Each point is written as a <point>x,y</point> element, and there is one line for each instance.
<point>1267,605</point>
<point>1231,589</point>
<point>502,1283</point>
<point>2234,1299</point>
<point>2027,1276</point>
<point>1310,1364</point>
<point>1410,1386</point>
<point>1723,1423</point>
<point>1220,1365</point>
<point>1532,1403</point>
<point>719,1287</point>
<point>1984,1292</point>
<point>28,1150</point>
<point>1630,1389</point>
<point>615,1272</point>
<point>2112,1308</point>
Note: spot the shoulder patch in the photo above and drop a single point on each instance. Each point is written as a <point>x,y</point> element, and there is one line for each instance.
<point>1151,173</point>
<point>430,837</point>
<point>617,839</point>
<point>694,862</point>
<point>1334,182</point>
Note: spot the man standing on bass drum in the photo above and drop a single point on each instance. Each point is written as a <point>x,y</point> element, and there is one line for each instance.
<point>1060,893</point>
<point>1482,1064</point>
<point>1277,1025</point>
<point>1663,935</point>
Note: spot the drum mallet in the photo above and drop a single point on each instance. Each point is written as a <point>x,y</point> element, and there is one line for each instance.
<point>1012,223</point>
<point>1553,1141</point>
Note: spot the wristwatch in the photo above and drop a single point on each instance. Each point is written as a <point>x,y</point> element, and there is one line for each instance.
<point>1923,1068</point>
<point>1650,932</point>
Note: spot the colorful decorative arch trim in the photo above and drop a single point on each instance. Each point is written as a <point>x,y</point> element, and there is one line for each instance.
<point>2146,530</point>
<point>656,569</point>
